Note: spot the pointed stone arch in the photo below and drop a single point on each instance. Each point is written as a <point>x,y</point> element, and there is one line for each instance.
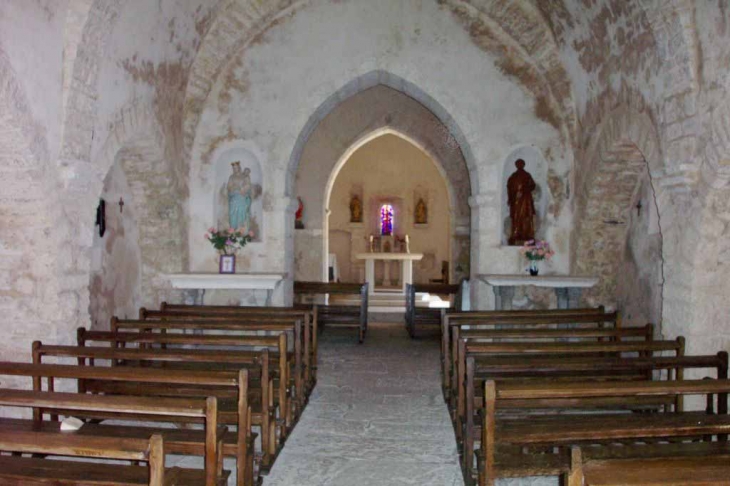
<point>372,103</point>
<point>626,152</point>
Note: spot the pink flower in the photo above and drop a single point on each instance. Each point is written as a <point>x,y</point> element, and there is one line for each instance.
<point>207,236</point>
<point>250,234</point>
<point>211,230</point>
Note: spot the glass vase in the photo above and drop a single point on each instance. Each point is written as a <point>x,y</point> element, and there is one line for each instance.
<point>534,269</point>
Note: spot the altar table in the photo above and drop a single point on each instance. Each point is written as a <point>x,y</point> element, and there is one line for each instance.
<point>406,260</point>
<point>567,289</point>
<point>198,283</point>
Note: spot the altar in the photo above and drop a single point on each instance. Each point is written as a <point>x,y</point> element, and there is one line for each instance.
<point>567,289</point>
<point>198,283</point>
<point>406,260</point>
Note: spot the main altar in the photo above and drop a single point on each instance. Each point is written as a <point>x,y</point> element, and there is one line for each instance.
<point>406,260</point>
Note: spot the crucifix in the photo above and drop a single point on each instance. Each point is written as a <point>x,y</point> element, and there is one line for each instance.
<point>121,205</point>
<point>638,208</point>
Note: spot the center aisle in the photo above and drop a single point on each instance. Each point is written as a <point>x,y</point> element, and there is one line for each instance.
<point>376,417</point>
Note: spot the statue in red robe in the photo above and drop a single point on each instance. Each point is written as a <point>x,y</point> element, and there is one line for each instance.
<point>521,206</point>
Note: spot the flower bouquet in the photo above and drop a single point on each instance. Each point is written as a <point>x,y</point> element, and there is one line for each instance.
<point>535,251</point>
<point>227,242</point>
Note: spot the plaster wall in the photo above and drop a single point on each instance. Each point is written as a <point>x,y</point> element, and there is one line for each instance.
<point>385,170</point>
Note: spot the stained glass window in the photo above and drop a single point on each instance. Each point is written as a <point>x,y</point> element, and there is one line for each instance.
<point>386,219</point>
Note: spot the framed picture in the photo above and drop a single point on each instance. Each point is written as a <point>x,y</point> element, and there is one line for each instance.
<point>227,264</point>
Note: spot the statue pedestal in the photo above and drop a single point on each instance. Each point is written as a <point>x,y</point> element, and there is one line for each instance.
<point>567,289</point>
<point>406,260</point>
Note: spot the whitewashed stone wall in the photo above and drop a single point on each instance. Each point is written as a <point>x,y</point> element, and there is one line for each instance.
<point>76,75</point>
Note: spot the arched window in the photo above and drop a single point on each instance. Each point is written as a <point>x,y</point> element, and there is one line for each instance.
<point>386,220</point>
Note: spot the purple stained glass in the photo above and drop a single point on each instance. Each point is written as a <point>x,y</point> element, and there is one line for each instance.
<point>386,220</point>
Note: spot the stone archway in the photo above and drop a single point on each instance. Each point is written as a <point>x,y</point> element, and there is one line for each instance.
<point>624,165</point>
<point>399,189</point>
<point>136,143</point>
<point>373,102</point>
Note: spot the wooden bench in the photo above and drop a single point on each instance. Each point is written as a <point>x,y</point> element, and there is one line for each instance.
<point>418,316</point>
<point>299,336</point>
<point>552,318</point>
<point>307,314</point>
<point>207,442</point>
<point>546,319</point>
<point>554,370</point>
<point>24,471</point>
<point>680,464</point>
<point>138,382</point>
<point>350,316</point>
<point>263,411</point>
<point>280,361</point>
<point>474,336</point>
<point>523,442</point>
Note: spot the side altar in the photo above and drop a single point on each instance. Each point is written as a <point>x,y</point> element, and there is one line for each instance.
<point>198,283</point>
<point>406,260</point>
<point>567,289</point>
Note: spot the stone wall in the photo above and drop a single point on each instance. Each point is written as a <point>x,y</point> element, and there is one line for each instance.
<point>80,79</point>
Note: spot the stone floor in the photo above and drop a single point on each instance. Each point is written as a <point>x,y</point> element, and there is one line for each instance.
<point>376,416</point>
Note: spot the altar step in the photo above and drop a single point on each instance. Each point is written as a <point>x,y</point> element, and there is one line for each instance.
<point>380,302</point>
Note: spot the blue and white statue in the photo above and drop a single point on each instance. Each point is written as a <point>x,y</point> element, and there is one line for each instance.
<point>239,197</point>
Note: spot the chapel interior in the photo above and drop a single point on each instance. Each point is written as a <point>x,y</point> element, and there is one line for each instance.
<point>364,141</point>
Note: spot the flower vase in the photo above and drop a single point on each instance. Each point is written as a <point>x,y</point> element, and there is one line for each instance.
<point>227,264</point>
<point>534,269</point>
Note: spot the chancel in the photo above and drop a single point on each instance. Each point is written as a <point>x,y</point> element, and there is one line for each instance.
<point>364,242</point>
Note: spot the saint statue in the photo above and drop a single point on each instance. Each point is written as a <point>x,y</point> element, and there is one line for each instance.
<point>298,222</point>
<point>521,206</point>
<point>239,197</point>
<point>421,212</point>
<point>355,210</point>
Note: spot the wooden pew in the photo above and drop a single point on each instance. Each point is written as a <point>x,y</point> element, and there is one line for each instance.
<point>521,318</point>
<point>522,334</point>
<point>263,412</point>
<point>22,470</point>
<point>206,443</point>
<point>299,340</point>
<point>417,316</point>
<point>280,360</point>
<point>339,315</point>
<point>509,442</point>
<point>121,380</point>
<point>553,370</point>
<point>702,464</point>
<point>307,314</point>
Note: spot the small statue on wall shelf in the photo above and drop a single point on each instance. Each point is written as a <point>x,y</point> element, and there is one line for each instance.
<point>521,205</point>
<point>421,213</point>
<point>298,222</point>
<point>355,210</point>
